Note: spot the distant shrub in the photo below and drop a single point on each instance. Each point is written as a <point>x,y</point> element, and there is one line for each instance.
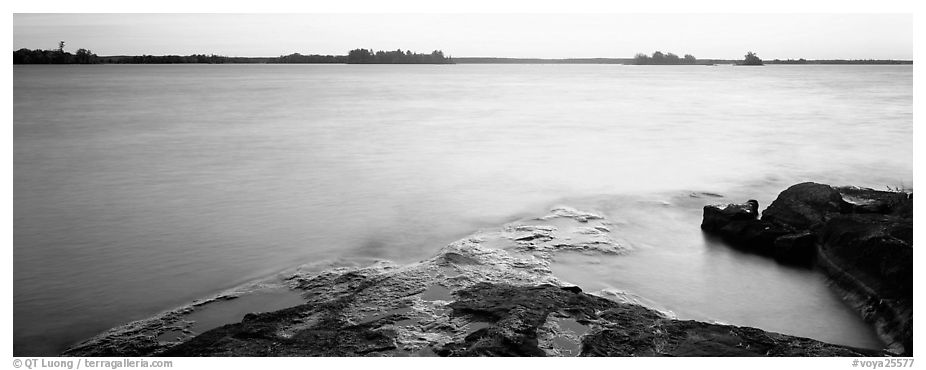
<point>752,59</point>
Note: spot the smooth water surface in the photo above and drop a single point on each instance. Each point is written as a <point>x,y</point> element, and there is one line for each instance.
<point>138,188</point>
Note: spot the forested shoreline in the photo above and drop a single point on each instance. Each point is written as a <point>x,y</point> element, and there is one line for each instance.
<point>369,56</point>
<point>356,56</point>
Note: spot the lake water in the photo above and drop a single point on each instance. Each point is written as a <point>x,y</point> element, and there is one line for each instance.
<point>140,188</point>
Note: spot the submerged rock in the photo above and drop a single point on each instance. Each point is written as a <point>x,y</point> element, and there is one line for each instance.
<point>569,212</point>
<point>151,335</point>
<point>861,238</point>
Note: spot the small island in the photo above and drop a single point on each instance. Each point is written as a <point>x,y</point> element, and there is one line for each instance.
<point>659,58</point>
<point>364,56</point>
<point>751,59</point>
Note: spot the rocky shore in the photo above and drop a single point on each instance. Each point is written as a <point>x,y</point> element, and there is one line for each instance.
<point>862,239</point>
<point>490,294</point>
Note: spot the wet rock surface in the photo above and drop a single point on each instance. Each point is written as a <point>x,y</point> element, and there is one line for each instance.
<point>861,238</point>
<point>145,337</point>
<point>490,294</point>
<point>520,318</point>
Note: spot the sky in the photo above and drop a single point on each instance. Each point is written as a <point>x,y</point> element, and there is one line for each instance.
<point>721,36</point>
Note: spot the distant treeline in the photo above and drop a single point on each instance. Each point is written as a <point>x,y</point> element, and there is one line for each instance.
<point>356,56</point>
<point>84,56</point>
<point>368,56</point>
<point>218,59</point>
<point>26,56</point>
<point>659,58</point>
<point>493,60</point>
<point>57,56</point>
<point>306,59</point>
<point>170,59</point>
<point>364,56</point>
<point>838,61</point>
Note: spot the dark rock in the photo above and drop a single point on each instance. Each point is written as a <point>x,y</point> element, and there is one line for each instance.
<point>573,289</point>
<point>870,257</point>
<point>737,224</point>
<point>861,238</point>
<point>678,338</point>
<point>718,216</point>
<point>805,205</point>
<point>866,200</point>
<point>755,236</point>
<point>869,244</point>
<point>517,314</point>
<point>796,248</point>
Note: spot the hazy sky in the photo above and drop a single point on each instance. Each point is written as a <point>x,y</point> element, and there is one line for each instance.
<point>728,36</point>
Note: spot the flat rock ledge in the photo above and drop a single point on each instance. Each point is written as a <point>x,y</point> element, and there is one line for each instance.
<point>862,239</point>
<point>490,294</point>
